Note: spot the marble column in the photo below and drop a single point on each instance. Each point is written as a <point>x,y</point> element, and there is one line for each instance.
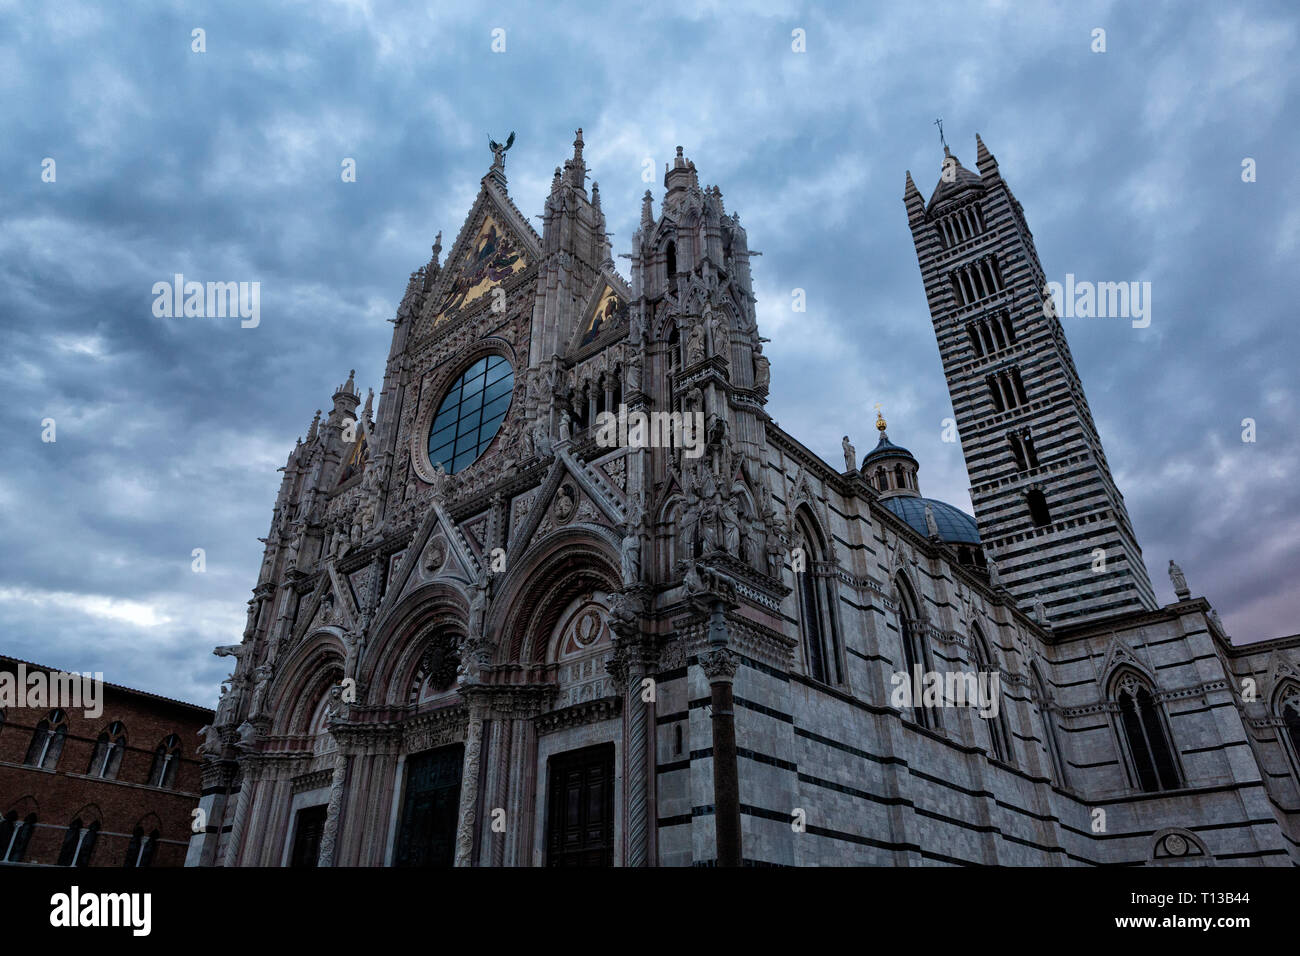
<point>329,837</point>
<point>237,825</point>
<point>469,783</point>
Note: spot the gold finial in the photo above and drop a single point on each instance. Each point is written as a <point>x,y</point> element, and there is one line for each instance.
<point>880,419</point>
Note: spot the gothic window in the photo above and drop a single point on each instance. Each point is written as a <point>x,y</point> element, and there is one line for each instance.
<point>107,758</point>
<point>1146,742</point>
<point>910,636</point>
<point>1007,328</point>
<point>1038,510</point>
<point>1018,451</point>
<point>816,610</point>
<point>1021,397</point>
<point>166,757</point>
<point>47,741</point>
<point>672,260</point>
<point>999,731</point>
<point>1030,455</point>
<point>14,834</point>
<point>140,851</point>
<point>975,342</point>
<point>1049,727</point>
<point>470,414</point>
<point>78,843</point>
<point>995,392</point>
<point>674,350</point>
<point>1289,711</point>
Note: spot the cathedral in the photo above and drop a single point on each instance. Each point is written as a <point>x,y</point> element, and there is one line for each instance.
<point>493,628</point>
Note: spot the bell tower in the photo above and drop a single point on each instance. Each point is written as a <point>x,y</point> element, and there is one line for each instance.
<point>1048,509</point>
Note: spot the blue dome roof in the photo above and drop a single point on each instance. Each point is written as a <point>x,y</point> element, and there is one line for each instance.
<point>954,524</point>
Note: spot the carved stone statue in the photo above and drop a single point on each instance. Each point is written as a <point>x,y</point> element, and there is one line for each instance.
<point>211,740</point>
<point>931,526</point>
<point>499,151</point>
<point>694,346</point>
<point>565,429</point>
<point>440,481</point>
<point>762,371</point>
<point>850,455</point>
<point>632,374</point>
<point>721,337</point>
<point>1179,581</point>
<point>995,576</point>
<point>262,675</point>
<point>478,606</point>
<point>631,556</point>
<point>1040,611</point>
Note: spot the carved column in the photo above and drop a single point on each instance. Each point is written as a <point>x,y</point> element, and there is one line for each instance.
<point>246,787</point>
<point>469,782</point>
<point>329,836</point>
<point>634,659</point>
<point>720,668</point>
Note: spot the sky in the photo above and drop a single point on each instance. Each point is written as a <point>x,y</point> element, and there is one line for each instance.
<point>225,165</point>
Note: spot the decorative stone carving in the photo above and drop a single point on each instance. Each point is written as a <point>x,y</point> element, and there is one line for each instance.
<point>1179,582</point>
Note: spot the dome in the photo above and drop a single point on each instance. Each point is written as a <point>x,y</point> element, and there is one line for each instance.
<point>955,525</point>
<point>886,449</point>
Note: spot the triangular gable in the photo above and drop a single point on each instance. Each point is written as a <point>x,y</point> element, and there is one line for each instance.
<point>606,309</point>
<point>331,605</point>
<point>495,244</point>
<point>358,458</point>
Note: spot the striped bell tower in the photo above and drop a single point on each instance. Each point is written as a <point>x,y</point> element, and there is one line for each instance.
<point>1048,510</point>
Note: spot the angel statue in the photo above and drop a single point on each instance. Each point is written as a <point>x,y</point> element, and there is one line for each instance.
<point>499,151</point>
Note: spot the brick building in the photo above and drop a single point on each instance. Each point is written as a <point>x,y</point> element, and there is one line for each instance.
<point>112,784</point>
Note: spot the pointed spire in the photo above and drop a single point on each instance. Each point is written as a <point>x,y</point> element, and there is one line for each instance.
<point>437,249</point>
<point>315,427</point>
<point>647,213</point>
<point>984,161</point>
<point>595,194</point>
<point>367,413</point>
<point>912,199</point>
<point>577,166</point>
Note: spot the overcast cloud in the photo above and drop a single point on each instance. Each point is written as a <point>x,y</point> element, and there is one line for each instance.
<point>225,165</point>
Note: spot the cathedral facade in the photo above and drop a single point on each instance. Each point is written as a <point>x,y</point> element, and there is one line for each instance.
<point>569,596</point>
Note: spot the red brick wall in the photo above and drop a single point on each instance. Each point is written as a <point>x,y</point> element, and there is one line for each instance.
<point>59,796</point>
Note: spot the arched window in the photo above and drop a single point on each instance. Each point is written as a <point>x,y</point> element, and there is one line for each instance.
<point>672,261</point>
<point>1145,739</point>
<point>78,843</point>
<point>166,757</point>
<point>1289,710</point>
<point>14,834</point>
<point>913,643</point>
<point>1049,727</point>
<point>139,852</point>
<point>998,728</point>
<point>47,741</point>
<point>816,611</point>
<point>107,758</point>
<point>1038,510</point>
